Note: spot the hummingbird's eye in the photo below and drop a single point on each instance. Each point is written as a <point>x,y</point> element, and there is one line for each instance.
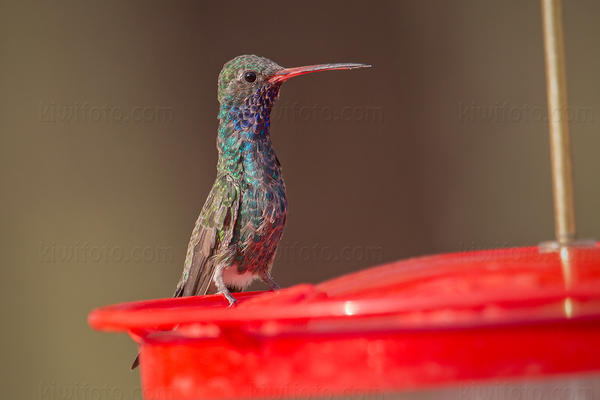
<point>250,76</point>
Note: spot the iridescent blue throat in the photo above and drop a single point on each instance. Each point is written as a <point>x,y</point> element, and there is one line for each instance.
<point>243,140</point>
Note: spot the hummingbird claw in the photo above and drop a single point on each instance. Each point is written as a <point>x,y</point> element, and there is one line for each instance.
<point>232,300</point>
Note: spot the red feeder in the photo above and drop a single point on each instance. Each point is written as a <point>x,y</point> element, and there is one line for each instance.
<point>423,322</point>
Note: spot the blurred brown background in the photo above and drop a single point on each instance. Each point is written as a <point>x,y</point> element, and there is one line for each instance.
<point>108,122</point>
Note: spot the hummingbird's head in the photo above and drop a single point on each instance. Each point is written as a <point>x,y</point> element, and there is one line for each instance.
<point>249,76</point>
<point>243,76</point>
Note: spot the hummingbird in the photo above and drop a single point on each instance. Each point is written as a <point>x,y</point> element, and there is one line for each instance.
<point>241,223</point>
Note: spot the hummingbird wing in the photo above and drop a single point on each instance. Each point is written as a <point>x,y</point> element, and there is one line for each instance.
<point>210,240</point>
<point>212,234</point>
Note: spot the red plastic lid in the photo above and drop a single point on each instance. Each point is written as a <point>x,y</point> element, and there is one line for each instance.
<point>422,322</point>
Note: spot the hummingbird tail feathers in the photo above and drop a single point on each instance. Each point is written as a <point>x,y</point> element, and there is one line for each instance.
<point>136,362</point>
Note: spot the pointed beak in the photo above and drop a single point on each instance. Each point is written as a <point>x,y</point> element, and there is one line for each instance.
<point>287,73</point>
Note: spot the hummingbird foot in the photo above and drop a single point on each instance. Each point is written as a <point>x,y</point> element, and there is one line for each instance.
<point>232,300</point>
<point>221,287</point>
<point>268,279</point>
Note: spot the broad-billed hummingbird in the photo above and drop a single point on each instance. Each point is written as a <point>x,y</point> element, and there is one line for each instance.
<point>238,230</point>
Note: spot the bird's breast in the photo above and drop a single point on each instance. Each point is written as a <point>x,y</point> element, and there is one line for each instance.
<point>263,215</point>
